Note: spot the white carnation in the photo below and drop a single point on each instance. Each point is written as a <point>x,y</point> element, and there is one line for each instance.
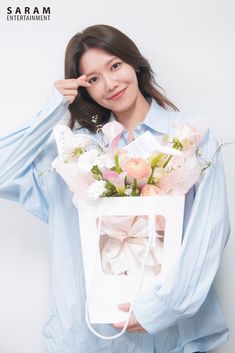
<point>96,189</point>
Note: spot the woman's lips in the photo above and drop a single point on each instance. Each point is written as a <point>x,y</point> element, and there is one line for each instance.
<point>117,95</point>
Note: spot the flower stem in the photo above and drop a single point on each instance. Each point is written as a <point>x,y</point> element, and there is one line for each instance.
<point>117,167</point>
<point>135,190</point>
<point>178,146</point>
<point>135,184</point>
<point>153,165</point>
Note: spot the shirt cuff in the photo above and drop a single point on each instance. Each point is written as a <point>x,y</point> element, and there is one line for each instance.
<point>152,314</point>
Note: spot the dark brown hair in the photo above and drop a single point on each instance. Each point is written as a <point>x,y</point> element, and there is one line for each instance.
<point>116,43</point>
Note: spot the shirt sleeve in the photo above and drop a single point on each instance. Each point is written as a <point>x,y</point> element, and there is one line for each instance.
<point>19,180</point>
<point>187,284</point>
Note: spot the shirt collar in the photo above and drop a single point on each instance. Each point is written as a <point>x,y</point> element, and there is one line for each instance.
<point>157,118</point>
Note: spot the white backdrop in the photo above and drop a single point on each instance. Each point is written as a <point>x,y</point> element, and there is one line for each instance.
<point>191,46</point>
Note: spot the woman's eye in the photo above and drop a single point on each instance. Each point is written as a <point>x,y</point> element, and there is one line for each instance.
<point>116,65</point>
<point>93,79</point>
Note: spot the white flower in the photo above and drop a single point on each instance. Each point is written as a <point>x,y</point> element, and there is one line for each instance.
<point>128,191</point>
<point>70,149</point>
<point>78,141</point>
<point>87,160</point>
<point>96,189</point>
<point>105,160</point>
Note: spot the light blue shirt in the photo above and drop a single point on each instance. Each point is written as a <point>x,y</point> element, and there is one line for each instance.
<point>181,315</point>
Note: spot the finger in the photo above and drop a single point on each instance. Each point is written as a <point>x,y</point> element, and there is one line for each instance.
<point>70,83</point>
<point>131,323</point>
<point>82,80</point>
<point>124,306</point>
<point>119,325</point>
<point>83,77</point>
<point>130,328</point>
<point>134,329</point>
<point>83,83</point>
<point>69,92</point>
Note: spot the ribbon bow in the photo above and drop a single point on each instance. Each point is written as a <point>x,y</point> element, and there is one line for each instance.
<point>123,242</point>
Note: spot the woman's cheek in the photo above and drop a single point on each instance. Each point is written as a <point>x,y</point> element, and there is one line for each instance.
<point>129,74</point>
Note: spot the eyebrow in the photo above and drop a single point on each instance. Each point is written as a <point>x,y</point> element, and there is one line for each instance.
<point>108,62</point>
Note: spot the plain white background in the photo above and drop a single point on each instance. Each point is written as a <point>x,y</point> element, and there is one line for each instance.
<point>191,46</point>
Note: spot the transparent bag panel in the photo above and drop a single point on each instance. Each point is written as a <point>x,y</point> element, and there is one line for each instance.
<point>123,242</point>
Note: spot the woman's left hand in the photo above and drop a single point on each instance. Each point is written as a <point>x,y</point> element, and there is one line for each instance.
<point>133,325</point>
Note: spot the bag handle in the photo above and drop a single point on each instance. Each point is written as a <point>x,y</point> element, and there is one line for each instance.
<point>151,243</point>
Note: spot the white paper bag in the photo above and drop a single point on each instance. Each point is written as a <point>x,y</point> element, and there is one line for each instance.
<point>107,286</point>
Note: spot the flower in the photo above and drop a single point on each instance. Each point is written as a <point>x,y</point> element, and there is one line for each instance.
<point>112,131</point>
<point>100,171</point>
<point>149,190</point>
<point>87,160</point>
<point>118,180</point>
<point>185,131</point>
<point>69,151</point>
<point>96,189</point>
<point>73,148</point>
<point>105,160</point>
<point>137,168</point>
<point>128,190</point>
<point>190,134</point>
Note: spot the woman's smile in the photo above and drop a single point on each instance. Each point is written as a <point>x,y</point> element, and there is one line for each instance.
<point>118,94</point>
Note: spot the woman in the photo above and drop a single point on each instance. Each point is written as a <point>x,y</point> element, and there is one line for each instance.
<point>107,77</point>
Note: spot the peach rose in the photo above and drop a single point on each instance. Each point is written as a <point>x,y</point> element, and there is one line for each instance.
<point>137,168</point>
<point>149,190</point>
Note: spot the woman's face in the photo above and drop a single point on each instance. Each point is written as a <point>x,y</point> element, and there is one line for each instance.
<point>108,76</point>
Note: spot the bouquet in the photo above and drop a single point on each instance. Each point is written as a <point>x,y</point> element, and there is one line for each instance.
<point>142,168</point>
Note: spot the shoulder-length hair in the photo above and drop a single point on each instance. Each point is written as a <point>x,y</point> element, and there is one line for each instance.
<point>116,43</point>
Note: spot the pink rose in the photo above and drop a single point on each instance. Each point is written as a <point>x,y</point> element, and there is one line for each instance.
<point>149,190</point>
<point>137,168</point>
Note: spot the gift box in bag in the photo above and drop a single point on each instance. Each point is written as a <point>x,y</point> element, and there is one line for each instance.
<point>115,237</point>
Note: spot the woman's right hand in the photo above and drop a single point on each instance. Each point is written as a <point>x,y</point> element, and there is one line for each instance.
<point>69,87</point>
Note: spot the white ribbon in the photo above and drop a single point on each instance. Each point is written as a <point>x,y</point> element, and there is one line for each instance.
<point>123,242</point>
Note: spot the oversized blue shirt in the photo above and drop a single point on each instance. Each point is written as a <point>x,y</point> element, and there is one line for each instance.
<point>181,315</point>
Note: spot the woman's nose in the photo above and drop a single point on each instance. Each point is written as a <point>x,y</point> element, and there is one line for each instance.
<point>110,83</point>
